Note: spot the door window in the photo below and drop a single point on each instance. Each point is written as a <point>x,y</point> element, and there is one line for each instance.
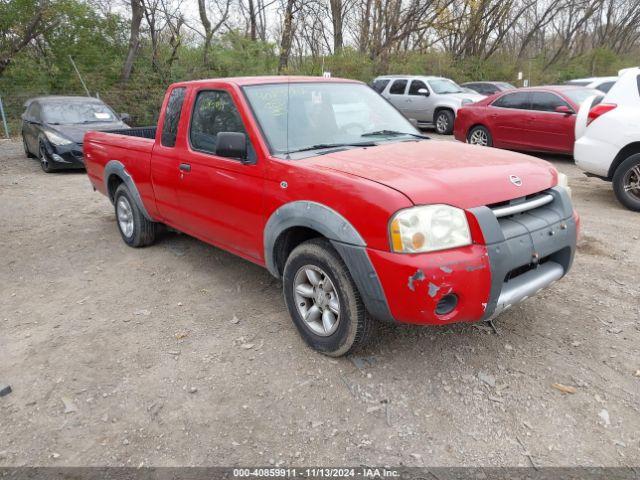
<point>398,87</point>
<point>213,112</point>
<point>172,117</point>
<point>380,85</point>
<point>416,85</point>
<point>519,100</point>
<point>546,102</point>
<point>605,87</point>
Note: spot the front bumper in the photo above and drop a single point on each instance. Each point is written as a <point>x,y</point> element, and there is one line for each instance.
<point>521,254</point>
<point>65,156</point>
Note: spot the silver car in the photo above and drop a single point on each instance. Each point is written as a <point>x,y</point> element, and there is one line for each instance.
<point>430,101</point>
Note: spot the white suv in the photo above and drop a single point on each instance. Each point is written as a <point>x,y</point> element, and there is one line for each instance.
<point>608,138</point>
<point>430,101</point>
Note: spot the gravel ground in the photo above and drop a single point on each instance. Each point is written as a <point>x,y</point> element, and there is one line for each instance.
<point>182,354</point>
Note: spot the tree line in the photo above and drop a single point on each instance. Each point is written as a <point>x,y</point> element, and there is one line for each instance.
<point>125,48</point>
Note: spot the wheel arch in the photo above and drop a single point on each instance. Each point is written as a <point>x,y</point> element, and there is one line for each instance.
<point>115,173</point>
<point>439,108</point>
<point>477,124</point>
<point>623,154</point>
<point>296,222</point>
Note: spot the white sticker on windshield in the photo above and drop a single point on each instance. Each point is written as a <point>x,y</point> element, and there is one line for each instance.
<point>316,98</point>
<point>102,115</point>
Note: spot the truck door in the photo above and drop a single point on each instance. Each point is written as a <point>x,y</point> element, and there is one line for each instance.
<point>221,199</point>
<point>397,97</point>
<point>418,103</point>
<point>165,161</point>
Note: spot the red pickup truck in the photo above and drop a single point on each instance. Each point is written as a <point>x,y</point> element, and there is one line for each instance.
<point>331,189</point>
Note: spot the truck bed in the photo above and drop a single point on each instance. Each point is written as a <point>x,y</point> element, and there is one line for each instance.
<point>142,132</point>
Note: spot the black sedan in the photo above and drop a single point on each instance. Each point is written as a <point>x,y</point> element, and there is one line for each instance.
<point>488,88</point>
<point>53,128</point>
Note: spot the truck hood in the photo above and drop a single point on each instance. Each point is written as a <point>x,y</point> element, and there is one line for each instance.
<point>429,172</point>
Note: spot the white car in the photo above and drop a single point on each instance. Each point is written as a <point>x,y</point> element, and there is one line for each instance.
<point>603,84</point>
<point>608,138</point>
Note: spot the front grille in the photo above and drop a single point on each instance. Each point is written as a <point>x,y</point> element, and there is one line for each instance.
<point>521,204</point>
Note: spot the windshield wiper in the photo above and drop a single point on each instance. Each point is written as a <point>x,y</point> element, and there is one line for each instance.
<point>391,133</point>
<point>321,146</point>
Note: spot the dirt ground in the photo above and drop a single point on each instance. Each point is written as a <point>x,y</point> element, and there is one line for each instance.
<point>182,354</point>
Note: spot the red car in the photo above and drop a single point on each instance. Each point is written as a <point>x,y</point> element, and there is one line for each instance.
<point>538,119</point>
<point>331,189</point>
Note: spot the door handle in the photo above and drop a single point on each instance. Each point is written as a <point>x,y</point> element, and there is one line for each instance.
<point>185,167</point>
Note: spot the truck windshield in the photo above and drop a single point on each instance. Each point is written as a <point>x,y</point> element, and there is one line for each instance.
<point>77,112</point>
<point>302,116</point>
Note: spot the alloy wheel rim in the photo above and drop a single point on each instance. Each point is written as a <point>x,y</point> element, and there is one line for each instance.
<point>631,181</point>
<point>316,300</point>
<point>125,216</point>
<point>479,137</point>
<point>442,123</point>
<point>44,162</point>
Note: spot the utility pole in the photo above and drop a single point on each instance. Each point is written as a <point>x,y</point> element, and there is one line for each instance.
<point>79,76</point>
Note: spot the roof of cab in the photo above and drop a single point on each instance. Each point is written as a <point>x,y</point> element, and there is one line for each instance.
<point>61,98</point>
<point>265,80</point>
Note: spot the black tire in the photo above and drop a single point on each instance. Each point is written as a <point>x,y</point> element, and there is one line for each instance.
<point>355,327</point>
<point>143,231</point>
<point>477,132</point>
<point>27,153</point>
<point>43,157</point>
<point>628,175</point>
<point>444,122</point>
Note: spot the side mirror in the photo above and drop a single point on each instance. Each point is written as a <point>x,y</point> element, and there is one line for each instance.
<point>424,91</point>
<point>125,117</point>
<point>564,109</point>
<point>232,145</point>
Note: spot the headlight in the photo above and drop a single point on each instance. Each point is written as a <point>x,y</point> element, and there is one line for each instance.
<point>57,139</point>
<point>428,228</point>
<point>466,101</point>
<point>563,181</point>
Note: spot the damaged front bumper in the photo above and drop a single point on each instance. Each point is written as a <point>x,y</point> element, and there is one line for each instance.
<point>521,254</point>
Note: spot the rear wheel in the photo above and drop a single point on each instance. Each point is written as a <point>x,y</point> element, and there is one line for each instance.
<point>27,153</point>
<point>626,183</point>
<point>135,229</point>
<point>444,122</point>
<point>479,135</point>
<point>323,300</point>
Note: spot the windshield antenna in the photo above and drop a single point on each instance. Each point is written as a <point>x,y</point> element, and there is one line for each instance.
<point>287,134</point>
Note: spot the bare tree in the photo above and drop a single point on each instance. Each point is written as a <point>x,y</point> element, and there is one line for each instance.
<point>137,13</point>
<point>209,29</point>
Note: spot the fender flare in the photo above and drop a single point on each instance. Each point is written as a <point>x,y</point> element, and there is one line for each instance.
<point>345,239</point>
<point>116,167</point>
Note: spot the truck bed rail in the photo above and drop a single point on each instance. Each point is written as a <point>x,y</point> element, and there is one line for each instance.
<point>142,132</point>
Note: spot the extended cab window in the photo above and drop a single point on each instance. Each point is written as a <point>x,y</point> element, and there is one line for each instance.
<point>214,112</point>
<point>518,100</point>
<point>172,117</point>
<point>398,87</point>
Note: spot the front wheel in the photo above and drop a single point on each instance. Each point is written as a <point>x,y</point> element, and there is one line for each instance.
<point>323,300</point>
<point>479,135</point>
<point>626,183</point>
<point>444,122</point>
<point>45,163</point>
<point>135,229</point>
